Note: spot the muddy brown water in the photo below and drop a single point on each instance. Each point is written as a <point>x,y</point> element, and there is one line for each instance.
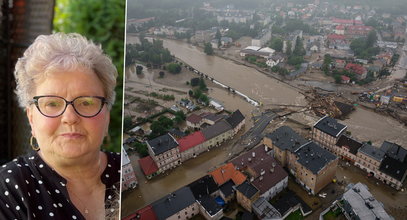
<point>364,124</point>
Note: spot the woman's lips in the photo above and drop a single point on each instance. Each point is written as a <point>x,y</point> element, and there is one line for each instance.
<point>72,135</point>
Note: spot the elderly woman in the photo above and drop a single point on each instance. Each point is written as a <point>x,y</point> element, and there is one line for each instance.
<point>66,85</point>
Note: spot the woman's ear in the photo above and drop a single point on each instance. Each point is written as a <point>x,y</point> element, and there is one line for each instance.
<point>30,119</point>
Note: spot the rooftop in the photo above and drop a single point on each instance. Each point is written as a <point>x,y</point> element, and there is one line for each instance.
<point>330,126</point>
<point>210,205</point>
<point>286,138</point>
<point>371,151</point>
<point>394,151</point>
<point>288,201</point>
<point>173,203</point>
<point>148,166</point>
<point>265,210</point>
<point>162,144</point>
<point>313,157</point>
<point>247,189</point>
<point>193,118</point>
<point>363,204</point>
<point>203,186</point>
<point>146,213</point>
<point>227,172</point>
<point>352,144</point>
<point>227,188</point>
<point>235,118</point>
<point>393,168</point>
<point>218,128</point>
<point>191,141</point>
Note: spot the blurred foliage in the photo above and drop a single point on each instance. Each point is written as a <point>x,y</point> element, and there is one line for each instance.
<point>101,21</point>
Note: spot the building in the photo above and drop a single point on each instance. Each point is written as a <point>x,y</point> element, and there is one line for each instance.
<point>210,118</point>
<point>347,148</point>
<point>192,145</point>
<point>180,204</point>
<point>146,213</point>
<point>236,121</point>
<point>246,195</point>
<point>356,31</point>
<point>264,53</point>
<point>194,121</point>
<point>369,158</point>
<point>217,133</point>
<point>326,132</point>
<point>314,167</point>
<point>359,203</point>
<point>283,140</point>
<point>345,79</point>
<point>393,169</point>
<point>262,38</point>
<point>149,167</point>
<point>227,172</point>
<point>129,180</point>
<point>359,70</point>
<point>263,171</point>
<point>205,190</point>
<point>264,210</point>
<point>164,151</point>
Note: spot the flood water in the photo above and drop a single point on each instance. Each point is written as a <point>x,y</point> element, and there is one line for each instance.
<point>364,124</point>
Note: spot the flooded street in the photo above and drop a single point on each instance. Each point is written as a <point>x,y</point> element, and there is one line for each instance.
<point>364,124</point>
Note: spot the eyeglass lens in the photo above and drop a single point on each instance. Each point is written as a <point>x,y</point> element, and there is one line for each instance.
<point>55,106</point>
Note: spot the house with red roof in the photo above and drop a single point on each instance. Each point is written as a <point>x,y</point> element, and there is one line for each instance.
<point>346,22</point>
<point>227,177</point>
<point>146,213</point>
<point>194,121</point>
<point>192,145</point>
<point>340,29</point>
<point>337,41</point>
<point>345,79</point>
<point>149,167</point>
<point>340,64</point>
<point>356,31</point>
<point>359,70</point>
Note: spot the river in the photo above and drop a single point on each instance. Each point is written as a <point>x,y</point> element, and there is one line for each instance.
<point>364,124</point>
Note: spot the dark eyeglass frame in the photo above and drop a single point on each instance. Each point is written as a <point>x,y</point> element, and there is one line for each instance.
<point>36,98</point>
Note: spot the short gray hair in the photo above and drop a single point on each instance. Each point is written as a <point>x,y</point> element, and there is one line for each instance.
<point>66,52</point>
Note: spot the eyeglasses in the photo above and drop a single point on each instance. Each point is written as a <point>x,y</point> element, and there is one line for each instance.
<point>54,106</point>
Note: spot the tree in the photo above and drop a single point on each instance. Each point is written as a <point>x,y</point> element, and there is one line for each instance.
<point>208,49</point>
<point>103,23</point>
<point>288,48</point>
<point>218,36</point>
<point>139,69</point>
<point>127,123</point>
<point>299,47</point>
<point>195,81</point>
<point>174,68</point>
<point>202,84</point>
<point>277,44</point>
<point>371,39</point>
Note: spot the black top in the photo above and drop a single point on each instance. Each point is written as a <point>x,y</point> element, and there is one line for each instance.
<point>30,189</point>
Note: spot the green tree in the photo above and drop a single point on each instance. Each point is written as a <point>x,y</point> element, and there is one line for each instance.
<point>161,73</point>
<point>371,39</point>
<point>195,81</point>
<point>127,123</point>
<point>299,47</point>
<point>288,48</point>
<point>102,22</point>
<point>277,44</point>
<point>202,84</point>
<point>174,68</point>
<point>208,49</point>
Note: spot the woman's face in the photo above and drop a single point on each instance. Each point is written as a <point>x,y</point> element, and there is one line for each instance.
<point>69,135</point>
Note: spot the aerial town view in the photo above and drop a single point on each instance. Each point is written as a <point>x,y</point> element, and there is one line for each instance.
<point>265,109</point>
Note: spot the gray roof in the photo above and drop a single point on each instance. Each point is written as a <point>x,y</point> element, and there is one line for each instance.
<point>210,205</point>
<point>173,203</point>
<point>227,188</point>
<point>394,151</point>
<point>265,210</point>
<point>247,189</point>
<point>393,168</point>
<point>330,126</point>
<point>235,118</point>
<point>286,138</point>
<point>217,129</point>
<point>363,204</point>
<point>162,144</point>
<point>371,151</point>
<point>313,157</point>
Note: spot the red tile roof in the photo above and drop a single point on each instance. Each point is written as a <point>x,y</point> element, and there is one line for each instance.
<point>193,118</point>
<point>356,68</point>
<point>360,28</point>
<point>190,141</point>
<point>227,172</point>
<point>344,78</point>
<point>340,27</point>
<point>148,165</point>
<point>336,37</point>
<point>146,213</point>
<point>346,21</point>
